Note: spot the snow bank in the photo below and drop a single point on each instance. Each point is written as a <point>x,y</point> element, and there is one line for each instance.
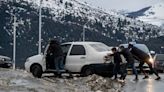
<point>100,84</point>
<point>21,81</point>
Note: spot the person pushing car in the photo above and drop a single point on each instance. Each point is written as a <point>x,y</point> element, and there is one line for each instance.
<point>143,58</point>
<point>130,60</point>
<point>117,61</point>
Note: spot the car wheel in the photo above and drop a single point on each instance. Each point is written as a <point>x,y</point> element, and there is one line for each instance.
<point>162,71</point>
<point>36,71</point>
<point>87,71</point>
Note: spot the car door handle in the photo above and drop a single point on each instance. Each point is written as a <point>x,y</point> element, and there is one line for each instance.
<point>82,57</point>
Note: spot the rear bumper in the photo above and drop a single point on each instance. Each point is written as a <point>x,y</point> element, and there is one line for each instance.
<point>102,69</point>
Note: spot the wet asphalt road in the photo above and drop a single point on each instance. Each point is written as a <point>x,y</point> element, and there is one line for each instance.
<point>144,85</point>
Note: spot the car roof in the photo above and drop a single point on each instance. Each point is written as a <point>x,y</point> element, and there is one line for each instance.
<point>79,42</point>
<point>4,57</point>
<point>133,44</point>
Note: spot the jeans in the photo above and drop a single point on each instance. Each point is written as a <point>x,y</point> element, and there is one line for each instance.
<point>59,63</point>
<point>123,71</point>
<point>134,69</point>
<point>116,69</point>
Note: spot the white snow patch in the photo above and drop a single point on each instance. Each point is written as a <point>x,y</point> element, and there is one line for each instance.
<point>21,81</point>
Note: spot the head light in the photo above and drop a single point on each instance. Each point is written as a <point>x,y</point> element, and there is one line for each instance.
<point>3,59</point>
<point>27,59</point>
<point>151,60</point>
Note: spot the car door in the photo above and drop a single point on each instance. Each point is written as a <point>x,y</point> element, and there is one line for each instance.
<point>76,58</point>
<point>65,48</point>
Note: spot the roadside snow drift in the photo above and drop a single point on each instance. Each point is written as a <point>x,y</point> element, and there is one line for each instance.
<point>21,81</point>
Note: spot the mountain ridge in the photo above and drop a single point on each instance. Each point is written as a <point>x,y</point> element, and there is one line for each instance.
<point>152,14</point>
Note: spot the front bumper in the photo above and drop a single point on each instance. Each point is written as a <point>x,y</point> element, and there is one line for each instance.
<point>27,66</point>
<point>6,65</point>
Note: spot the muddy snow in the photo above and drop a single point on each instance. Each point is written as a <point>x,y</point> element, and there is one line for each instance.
<point>22,81</point>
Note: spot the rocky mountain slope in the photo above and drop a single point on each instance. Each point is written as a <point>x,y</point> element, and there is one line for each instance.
<point>65,20</point>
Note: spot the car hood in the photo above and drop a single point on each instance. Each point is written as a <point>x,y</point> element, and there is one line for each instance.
<point>5,57</point>
<point>38,57</point>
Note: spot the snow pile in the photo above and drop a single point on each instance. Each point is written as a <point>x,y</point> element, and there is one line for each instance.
<point>100,84</point>
<point>21,81</point>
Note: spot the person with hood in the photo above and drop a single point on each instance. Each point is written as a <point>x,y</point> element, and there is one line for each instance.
<point>56,52</point>
<point>130,60</point>
<point>143,58</point>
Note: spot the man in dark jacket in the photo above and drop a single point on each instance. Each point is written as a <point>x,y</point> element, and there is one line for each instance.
<point>56,52</point>
<point>117,61</point>
<point>143,58</point>
<point>130,60</point>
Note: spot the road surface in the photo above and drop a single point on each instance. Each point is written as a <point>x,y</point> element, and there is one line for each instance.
<point>144,85</point>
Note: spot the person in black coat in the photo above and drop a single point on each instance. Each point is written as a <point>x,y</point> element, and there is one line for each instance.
<point>143,58</point>
<point>117,61</point>
<point>130,60</point>
<point>56,52</point>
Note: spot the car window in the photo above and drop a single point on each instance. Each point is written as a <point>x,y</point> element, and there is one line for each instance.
<point>65,48</point>
<point>100,47</point>
<point>78,50</point>
<point>45,52</point>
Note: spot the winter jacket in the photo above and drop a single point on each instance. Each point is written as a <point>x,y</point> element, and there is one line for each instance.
<point>139,54</point>
<point>117,58</point>
<point>128,55</point>
<point>55,50</point>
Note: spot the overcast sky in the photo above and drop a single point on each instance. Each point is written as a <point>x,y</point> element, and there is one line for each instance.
<point>130,5</point>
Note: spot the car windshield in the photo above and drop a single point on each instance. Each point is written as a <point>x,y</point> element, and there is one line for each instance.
<point>143,48</point>
<point>100,47</point>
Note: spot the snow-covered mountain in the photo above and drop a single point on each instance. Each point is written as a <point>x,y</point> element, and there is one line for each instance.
<point>65,20</point>
<point>152,14</point>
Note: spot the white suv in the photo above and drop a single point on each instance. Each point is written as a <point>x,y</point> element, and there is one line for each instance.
<point>80,57</point>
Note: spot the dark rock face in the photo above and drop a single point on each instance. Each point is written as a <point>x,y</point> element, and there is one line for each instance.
<point>138,13</point>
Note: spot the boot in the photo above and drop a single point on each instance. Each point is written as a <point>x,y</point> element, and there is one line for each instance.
<point>146,77</point>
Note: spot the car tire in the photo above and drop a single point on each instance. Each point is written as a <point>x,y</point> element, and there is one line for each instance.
<point>87,71</point>
<point>36,71</point>
<point>163,71</point>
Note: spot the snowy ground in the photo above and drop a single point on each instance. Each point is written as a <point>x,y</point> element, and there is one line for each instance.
<point>21,81</point>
